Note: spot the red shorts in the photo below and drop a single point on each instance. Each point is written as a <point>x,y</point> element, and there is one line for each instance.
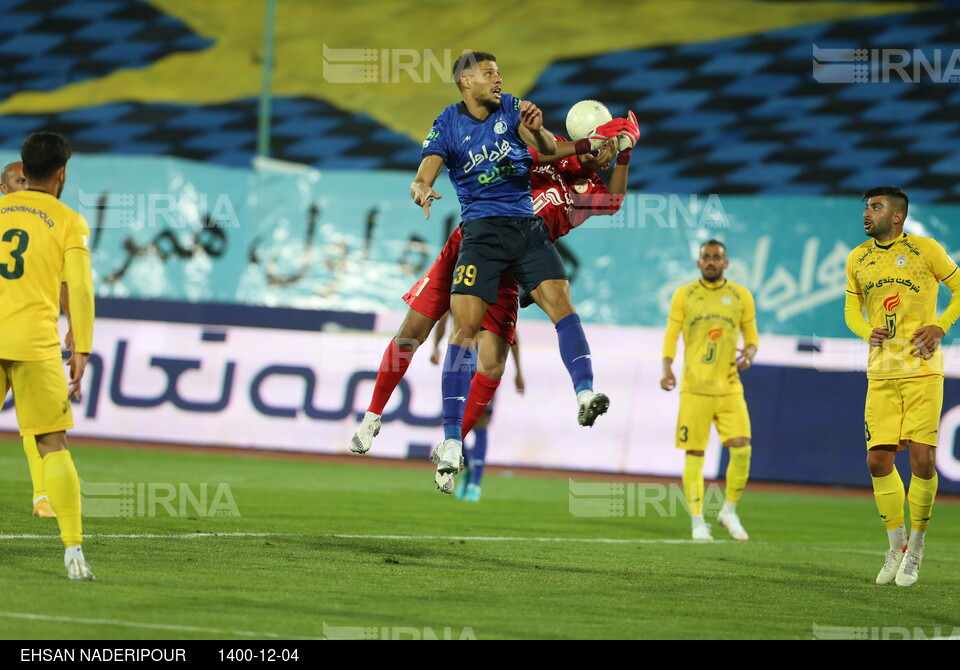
<point>430,296</point>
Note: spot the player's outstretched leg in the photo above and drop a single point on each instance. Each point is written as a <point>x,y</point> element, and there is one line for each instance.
<point>393,366</point>
<point>738,471</point>
<point>575,352</point>
<point>553,296</point>
<point>41,503</point>
<point>492,354</point>
<point>63,487</point>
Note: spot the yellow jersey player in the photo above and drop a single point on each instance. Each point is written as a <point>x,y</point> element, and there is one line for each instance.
<point>42,241</point>
<point>12,179</point>
<point>712,312</point>
<point>895,278</point>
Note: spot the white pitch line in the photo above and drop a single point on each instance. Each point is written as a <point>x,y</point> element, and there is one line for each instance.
<point>482,538</point>
<point>477,538</point>
<point>152,626</point>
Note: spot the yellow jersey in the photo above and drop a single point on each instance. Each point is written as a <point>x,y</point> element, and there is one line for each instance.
<point>897,284</point>
<point>36,231</point>
<point>711,316</point>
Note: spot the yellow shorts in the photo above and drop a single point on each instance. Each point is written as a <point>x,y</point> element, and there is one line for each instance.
<point>699,411</point>
<point>901,410</point>
<point>39,393</point>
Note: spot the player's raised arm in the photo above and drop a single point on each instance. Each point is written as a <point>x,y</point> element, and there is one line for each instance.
<point>421,190</point>
<point>532,131</point>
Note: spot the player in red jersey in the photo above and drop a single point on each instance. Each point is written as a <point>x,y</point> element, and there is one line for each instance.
<point>566,191</point>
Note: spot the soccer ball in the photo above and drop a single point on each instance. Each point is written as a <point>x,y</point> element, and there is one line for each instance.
<point>584,117</point>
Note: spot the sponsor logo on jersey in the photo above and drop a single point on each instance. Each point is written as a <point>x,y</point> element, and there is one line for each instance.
<point>715,334</point>
<point>891,303</point>
<point>499,152</point>
<point>498,172</point>
<point>549,197</point>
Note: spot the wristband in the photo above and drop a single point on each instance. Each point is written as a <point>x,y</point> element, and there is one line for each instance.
<point>582,146</point>
<point>623,158</point>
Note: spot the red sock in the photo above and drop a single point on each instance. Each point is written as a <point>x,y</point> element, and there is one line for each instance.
<point>481,393</point>
<point>393,366</point>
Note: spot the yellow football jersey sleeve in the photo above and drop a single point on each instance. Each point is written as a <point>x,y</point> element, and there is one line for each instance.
<point>711,318</point>
<point>36,230</point>
<point>896,284</point>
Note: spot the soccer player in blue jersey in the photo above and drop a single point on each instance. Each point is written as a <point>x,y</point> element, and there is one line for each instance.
<point>483,141</point>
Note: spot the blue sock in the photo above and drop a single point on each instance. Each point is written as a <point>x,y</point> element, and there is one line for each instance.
<point>458,368</point>
<point>575,352</point>
<point>477,455</point>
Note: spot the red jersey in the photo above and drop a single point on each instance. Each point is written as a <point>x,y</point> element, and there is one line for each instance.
<point>566,194</point>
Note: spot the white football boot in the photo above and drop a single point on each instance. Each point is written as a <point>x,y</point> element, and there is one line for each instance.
<point>731,522</point>
<point>909,569</point>
<point>80,571</point>
<point>363,438</point>
<point>702,533</point>
<point>448,456</point>
<point>891,564</point>
<point>592,405</point>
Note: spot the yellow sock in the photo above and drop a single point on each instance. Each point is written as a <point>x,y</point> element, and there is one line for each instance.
<point>738,471</point>
<point>888,491</point>
<point>922,494</point>
<point>63,490</point>
<point>35,461</point>
<point>693,483</point>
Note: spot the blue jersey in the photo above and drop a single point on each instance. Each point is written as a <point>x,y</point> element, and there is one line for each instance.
<point>489,163</point>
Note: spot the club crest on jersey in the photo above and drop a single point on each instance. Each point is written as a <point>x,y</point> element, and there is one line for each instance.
<point>900,261</point>
<point>581,187</point>
<point>726,300</point>
<point>500,127</point>
<point>715,334</point>
<point>891,303</point>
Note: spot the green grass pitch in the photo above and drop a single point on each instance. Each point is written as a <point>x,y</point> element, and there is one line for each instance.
<point>309,554</point>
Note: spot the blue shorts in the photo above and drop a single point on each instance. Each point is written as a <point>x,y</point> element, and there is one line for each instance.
<point>493,246</point>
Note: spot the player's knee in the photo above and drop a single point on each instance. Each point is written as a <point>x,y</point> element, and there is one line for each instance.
<point>879,463</point>
<point>553,297</point>
<point>741,454</point>
<point>923,462</point>
<point>51,442</point>
<point>414,331</point>
<point>491,369</point>
<point>465,334</point>
<point>407,343</point>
